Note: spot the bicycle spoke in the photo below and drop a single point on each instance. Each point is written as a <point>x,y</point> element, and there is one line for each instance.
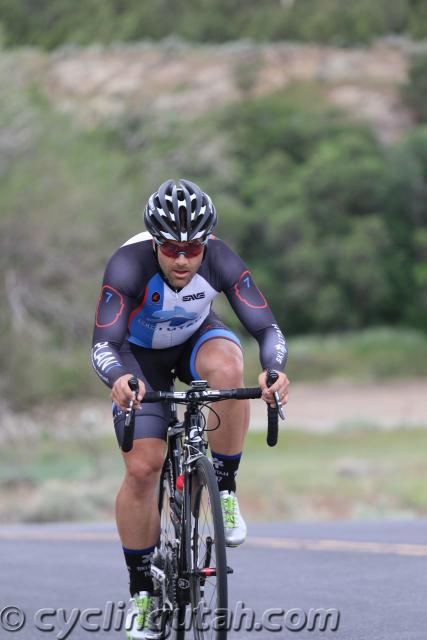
<point>209,592</point>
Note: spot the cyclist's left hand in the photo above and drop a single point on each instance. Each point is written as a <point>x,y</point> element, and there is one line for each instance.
<point>281,386</point>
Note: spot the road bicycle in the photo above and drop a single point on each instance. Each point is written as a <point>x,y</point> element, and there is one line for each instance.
<point>189,568</point>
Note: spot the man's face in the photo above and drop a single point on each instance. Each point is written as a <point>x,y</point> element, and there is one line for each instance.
<point>179,269</point>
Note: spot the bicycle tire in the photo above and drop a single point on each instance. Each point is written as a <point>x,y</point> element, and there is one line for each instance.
<point>208,594</point>
<point>174,626</point>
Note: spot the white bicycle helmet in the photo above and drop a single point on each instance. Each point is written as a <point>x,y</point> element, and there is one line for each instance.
<point>181,212</point>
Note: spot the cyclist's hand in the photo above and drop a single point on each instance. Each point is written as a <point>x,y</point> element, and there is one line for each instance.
<point>121,393</point>
<point>281,386</point>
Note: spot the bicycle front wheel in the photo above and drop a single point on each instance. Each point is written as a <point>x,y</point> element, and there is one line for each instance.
<point>206,555</point>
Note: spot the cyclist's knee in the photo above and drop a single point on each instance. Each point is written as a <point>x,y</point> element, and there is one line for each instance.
<point>143,471</point>
<point>222,368</point>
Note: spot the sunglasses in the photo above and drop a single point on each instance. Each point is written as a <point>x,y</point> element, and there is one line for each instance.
<point>190,249</point>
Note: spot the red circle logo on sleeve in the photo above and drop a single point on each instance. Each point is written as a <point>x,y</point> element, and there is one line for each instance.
<point>110,306</point>
<point>248,293</point>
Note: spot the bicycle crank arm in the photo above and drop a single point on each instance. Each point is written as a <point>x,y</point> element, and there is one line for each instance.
<point>206,572</point>
<point>157,573</point>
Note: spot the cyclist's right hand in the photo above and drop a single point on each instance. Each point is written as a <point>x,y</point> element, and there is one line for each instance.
<point>121,392</point>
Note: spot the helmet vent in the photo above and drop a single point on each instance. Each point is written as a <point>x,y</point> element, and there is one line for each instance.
<point>183,218</point>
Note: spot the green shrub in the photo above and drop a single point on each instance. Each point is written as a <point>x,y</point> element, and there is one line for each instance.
<point>415,91</point>
<point>339,22</point>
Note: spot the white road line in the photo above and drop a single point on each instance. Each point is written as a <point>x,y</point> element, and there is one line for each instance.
<point>401,549</point>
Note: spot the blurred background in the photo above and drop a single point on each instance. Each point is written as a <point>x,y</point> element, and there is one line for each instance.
<point>306,123</point>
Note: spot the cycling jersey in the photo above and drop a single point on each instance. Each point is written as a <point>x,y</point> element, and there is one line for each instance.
<point>138,306</point>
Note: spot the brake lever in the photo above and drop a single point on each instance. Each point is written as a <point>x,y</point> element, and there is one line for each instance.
<point>133,384</point>
<point>272,377</point>
<point>279,405</point>
<point>128,414</point>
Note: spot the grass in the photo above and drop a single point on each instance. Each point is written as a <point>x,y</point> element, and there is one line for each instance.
<point>351,474</point>
<point>372,354</point>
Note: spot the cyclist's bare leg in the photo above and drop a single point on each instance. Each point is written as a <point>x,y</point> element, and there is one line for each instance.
<point>137,513</point>
<point>220,362</point>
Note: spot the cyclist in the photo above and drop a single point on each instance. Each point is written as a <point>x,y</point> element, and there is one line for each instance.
<point>154,316</point>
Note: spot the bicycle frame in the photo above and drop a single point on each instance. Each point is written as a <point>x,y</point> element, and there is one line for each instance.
<point>185,444</point>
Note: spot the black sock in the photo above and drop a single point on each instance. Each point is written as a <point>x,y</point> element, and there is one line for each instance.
<point>226,470</point>
<point>138,562</point>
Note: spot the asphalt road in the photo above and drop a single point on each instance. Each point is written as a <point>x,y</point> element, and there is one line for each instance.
<point>371,575</point>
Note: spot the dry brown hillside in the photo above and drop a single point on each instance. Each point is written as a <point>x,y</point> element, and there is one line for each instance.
<point>173,78</point>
